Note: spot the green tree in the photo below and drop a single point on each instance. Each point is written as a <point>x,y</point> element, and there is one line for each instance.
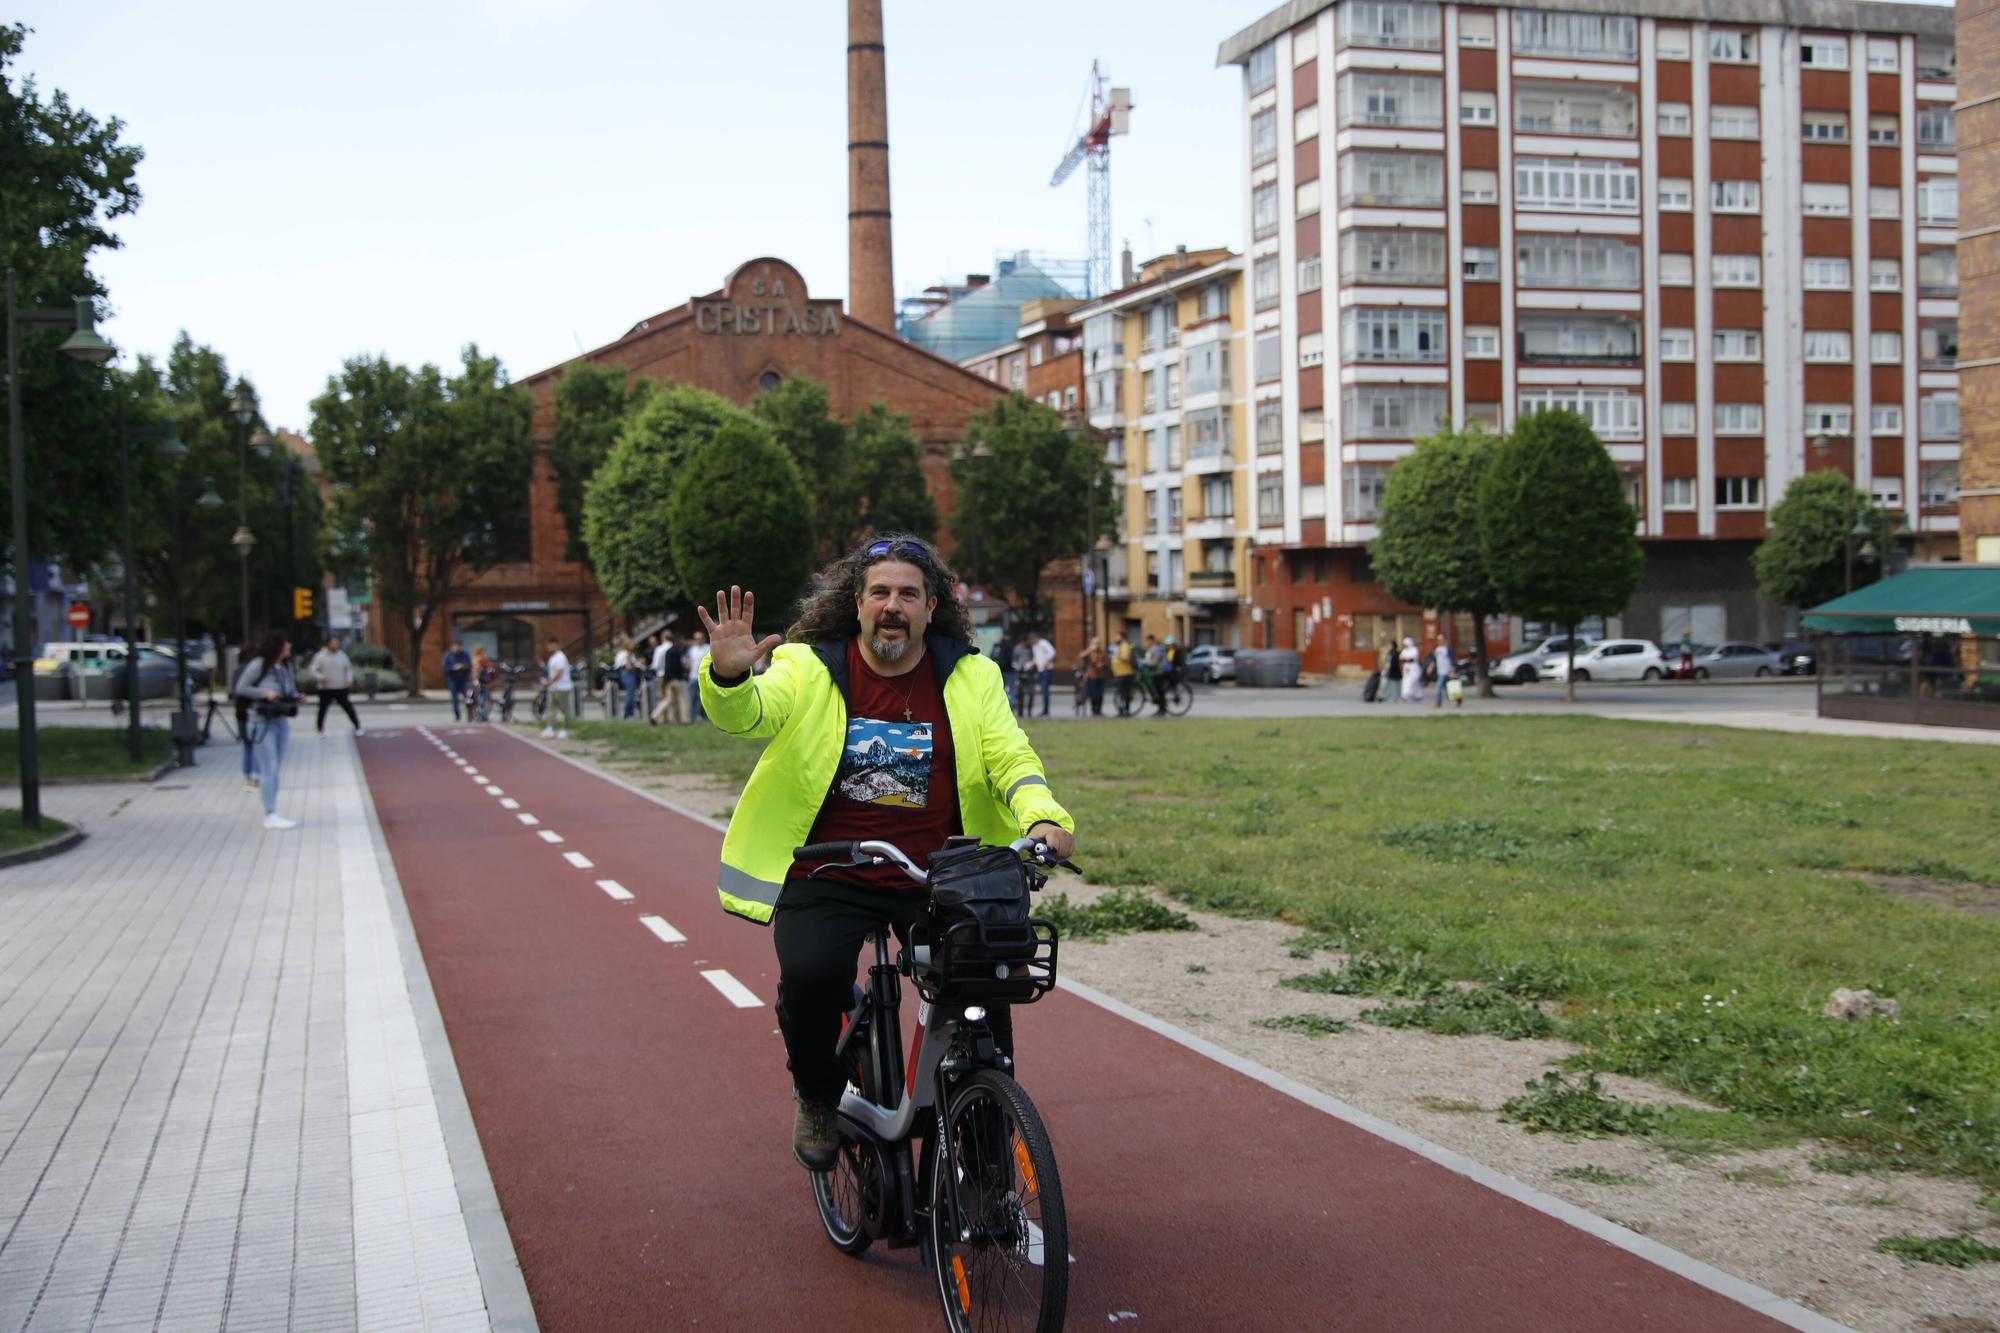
<point>628,506</point>
<point>739,516</point>
<point>1804,557</point>
<point>1024,496</point>
<point>592,406</point>
<point>866,476</point>
<point>1427,552</point>
<point>1558,537</point>
<point>433,470</point>
<point>64,178</point>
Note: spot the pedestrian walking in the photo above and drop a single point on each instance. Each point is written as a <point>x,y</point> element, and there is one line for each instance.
<point>1124,675</point>
<point>1446,672</point>
<point>555,673</point>
<point>457,675</point>
<point>1024,675</point>
<point>335,674</point>
<point>669,664</point>
<point>1391,680</point>
<point>1686,669</point>
<point>271,697</point>
<point>1044,653</point>
<point>1413,672</point>
<point>626,664</point>
<point>1094,666</point>
<point>690,663</point>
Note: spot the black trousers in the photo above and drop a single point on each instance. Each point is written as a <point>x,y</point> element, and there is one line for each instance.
<point>819,927</point>
<point>331,697</point>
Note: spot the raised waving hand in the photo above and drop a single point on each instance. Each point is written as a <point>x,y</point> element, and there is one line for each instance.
<point>733,648</point>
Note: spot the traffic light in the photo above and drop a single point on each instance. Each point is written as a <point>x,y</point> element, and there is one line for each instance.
<point>302,604</point>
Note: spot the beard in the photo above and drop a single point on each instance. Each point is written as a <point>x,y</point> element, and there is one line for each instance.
<point>891,650</point>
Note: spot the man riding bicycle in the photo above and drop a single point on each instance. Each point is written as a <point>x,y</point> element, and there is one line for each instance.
<point>886,723</point>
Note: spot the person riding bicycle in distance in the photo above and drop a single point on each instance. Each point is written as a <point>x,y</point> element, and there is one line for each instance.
<point>884,722</point>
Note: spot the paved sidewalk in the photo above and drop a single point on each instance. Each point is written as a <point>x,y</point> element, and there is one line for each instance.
<point>224,1098</point>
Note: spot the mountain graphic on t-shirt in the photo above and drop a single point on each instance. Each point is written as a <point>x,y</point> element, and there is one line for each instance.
<point>886,763</point>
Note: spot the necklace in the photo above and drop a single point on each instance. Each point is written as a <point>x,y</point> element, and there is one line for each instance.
<point>912,673</point>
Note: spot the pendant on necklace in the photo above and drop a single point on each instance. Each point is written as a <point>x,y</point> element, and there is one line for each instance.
<point>907,717</point>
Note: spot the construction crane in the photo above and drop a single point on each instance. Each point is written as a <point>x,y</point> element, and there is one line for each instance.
<point>1110,113</point>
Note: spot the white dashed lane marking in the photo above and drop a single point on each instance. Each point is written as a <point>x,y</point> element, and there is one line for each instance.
<point>659,926</point>
<point>509,803</point>
<point>494,791</point>
<point>549,835</point>
<point>617,891</point>
<point>579,860</point>
<point>732,990</point>
<point>527,819</point>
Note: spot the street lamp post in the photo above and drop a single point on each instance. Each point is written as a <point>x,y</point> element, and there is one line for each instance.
<point>1865,533</point>
<point>85,345</point>
<point>243,407</point>
<point>170,445</point>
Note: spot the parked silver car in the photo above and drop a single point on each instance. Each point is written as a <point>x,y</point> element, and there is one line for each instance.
<point>1728,660</point>
<point>1531,665</point>
<point>1614,659</point>
<point>1211,663</point>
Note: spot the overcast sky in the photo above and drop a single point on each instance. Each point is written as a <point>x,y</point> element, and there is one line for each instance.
<point>536,176</point>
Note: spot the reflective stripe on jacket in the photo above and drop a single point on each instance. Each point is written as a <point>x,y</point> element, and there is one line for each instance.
<point>801,704</point>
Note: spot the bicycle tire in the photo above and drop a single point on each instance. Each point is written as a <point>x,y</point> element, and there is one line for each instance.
<point>998,1231</point>
<point>1180,698</point>
<point>849,1197</point>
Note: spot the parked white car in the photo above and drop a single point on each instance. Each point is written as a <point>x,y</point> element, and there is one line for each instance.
<point>1526,667</point>
<point>1614,659</point>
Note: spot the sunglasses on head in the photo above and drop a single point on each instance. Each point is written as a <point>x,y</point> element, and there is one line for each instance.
<point>878,549</point>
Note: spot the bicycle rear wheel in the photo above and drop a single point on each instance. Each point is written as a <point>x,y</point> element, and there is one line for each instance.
<point>852,1197</point>
<point>998,1232</point>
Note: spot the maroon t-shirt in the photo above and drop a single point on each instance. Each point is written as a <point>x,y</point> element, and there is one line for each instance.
<point>895,781</point>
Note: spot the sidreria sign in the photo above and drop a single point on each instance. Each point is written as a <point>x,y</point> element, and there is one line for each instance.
<point>1933,625</point>
<point>767,304</point>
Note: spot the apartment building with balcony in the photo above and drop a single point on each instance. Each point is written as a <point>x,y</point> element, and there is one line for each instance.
<point>1730,245</point>
<point>1166,388</point>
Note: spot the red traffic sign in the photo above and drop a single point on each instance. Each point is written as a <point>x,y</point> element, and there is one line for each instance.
<point>79,615</point>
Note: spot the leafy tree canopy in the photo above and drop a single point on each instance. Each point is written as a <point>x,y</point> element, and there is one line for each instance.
<point>628,505</point>
<point>738,516</point>
<point>1427,548</point>
<point>592,405</point>
<point>1803,559</point>
<point>866,476</point>
<point>1558,537</point>
<point>64,178</point>
<point>432,471</point>
<point>1025,496</point>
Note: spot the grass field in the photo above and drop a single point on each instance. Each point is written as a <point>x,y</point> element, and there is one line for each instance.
<point>1689,897</point>
<point>13,837</point>
<point>77,752</point>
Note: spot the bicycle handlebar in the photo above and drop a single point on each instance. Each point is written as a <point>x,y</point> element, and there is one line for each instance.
<point>872,851</point>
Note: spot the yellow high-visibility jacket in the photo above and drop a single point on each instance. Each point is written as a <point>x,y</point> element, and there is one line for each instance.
<point>801,704</point>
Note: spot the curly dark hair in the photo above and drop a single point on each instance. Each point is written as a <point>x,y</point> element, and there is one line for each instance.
<point>828,611</point>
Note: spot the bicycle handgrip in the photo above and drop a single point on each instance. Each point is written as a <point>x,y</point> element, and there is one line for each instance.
<point>824,851</point>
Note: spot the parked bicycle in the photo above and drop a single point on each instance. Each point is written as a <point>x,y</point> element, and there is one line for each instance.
<point>982,1200</point>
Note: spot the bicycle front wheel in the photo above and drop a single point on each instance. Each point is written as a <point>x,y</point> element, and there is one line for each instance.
<point>1180,698</point>
<point>998,1233</point>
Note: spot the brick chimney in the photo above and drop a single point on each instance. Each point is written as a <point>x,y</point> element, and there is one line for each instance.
<point>871,288</point>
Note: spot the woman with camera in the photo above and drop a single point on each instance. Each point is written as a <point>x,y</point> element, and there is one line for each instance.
<point>266,685</point>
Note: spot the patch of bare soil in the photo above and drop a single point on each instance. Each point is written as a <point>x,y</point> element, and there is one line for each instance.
<point>1966,895</point>
<point>1765,1216</point>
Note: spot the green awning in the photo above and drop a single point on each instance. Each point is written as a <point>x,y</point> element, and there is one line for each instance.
<point>1930,599</point>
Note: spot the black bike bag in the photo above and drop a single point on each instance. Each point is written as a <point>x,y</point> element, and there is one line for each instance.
<point>984,943</point>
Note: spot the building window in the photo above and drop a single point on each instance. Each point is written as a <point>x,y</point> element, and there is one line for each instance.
<point>1577,337</point>
<point>1937,416</point>
<point>1938,485</point>
<point>1739,492</point>
<point>1739,418</point>
<point>1937,199</point>
<point>1937,131</point>
<point>1829,345</point>
<point>1676,418</point>
<point>1885,492</point>
<point>1732,122</point>
<point>1734,196</point>
<point>1307,198</point>
<point>1829,419</point>
<point>1676,195</point>
<point>1576,260</point>
<point>1312,425</point>
<point>1207,367</point>
<point>1484,414</point>
<point>1822,199</point>
<point>1392,180</point>
<point>1575,185</point>
<point>1481,342</point>
<point>1937,272</point>
<point>1567,108</point>
<point>1675,118</point>
<point>1736,270</point>
<point>1264,137</point>
<point>1885,348</point>
<point>1478,108</point>
<point>1264,211</point>
<point>1173,516</point>
<point>1150,398</point>
<point>1479,187</point>
<point>1270,499</point>
<point>1270,425</point>
<point>1885,201</point>
<point>1270,357</point>
<point>1264,282</point>
<point>1364,486</point>
<point>1677,492</point>
<point>1732,47</point>
<point>1391,411</point>
<point>1937,344</point>
<point>1613,413</point>
<point>1218,497</point>
<point>1821,52</point>
<point>1173,387</point>
<point>1885,419</point>
<point>1475,28</point>
<point>1589,36</point>
<point>1152,511</point>
<point>1885,275</point>
<point>1391,23</point>
<point>1824,126</point>
<point>1672,44</point>
<point>1884,131</point>
<point>1263,68</point>
<point>1676,270</point>
<point>1827,274</point>
<point>1386,99</point>
<point>1305,45</point>
<point>1391,333</point>
<point>1214,300</point>
<point>1884,54</point>
<point>1676,344</point>
<point>1738,345</point>
<point>1312,350</point>
<point>1309,277</point>
<point>1480,263</point>
<point>1937,59</point>
<point>1173,434</point>
<point>1305,123</point>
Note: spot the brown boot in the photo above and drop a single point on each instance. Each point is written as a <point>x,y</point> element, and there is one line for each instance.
<point>815,1134</point>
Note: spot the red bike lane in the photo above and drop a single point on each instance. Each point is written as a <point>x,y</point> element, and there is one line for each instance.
<point>636,1121</point>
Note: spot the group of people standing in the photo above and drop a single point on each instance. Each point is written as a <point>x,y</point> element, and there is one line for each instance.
<point>1029,662</point>
<point>662,657</point>
<point>1402,674</point>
